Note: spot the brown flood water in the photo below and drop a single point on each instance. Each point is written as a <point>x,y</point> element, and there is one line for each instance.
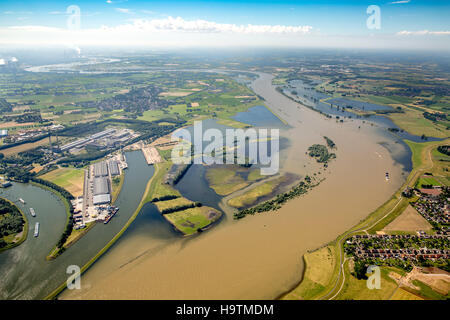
<point>258,257</point>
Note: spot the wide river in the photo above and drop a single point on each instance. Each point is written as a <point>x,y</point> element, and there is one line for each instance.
<point>258,257</point>
<point>24,271</point>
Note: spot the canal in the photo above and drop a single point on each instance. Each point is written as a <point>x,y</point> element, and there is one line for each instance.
<point>24,271</point>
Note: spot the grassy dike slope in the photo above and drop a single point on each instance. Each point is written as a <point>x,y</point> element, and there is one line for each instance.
<point>327,276</point>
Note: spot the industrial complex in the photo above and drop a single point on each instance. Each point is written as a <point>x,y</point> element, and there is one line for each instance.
<point>95,205</point>
<point>105,139</point>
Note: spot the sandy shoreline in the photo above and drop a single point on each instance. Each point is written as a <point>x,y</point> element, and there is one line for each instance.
<point>259,257</point>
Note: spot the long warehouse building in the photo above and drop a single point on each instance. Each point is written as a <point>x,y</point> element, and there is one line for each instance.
<point>101,186</point>
<point>113,167</point>
<point>100,169</point>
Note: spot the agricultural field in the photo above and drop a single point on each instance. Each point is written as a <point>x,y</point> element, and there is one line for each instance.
<point>427,180</point>
<point>409,221</point>
<point>67,100</point>
<point>423,95</point>
<point>68,178</point>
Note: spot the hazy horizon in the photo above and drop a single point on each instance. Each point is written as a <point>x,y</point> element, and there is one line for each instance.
<point>418,25</point>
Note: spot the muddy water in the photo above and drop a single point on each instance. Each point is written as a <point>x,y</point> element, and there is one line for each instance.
<point>259,257</point>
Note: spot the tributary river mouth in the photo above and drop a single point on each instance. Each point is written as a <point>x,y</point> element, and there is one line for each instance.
<point>258,257</point>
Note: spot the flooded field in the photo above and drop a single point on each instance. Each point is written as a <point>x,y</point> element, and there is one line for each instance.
<point>259,257</point>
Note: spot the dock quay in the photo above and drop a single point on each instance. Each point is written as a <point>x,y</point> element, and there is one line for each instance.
<point>151,155</point>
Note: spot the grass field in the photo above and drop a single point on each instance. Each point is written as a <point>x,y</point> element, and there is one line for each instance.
<point>252,196</point>
<point>427,180</point>
<point>69,178</point>
<point>117,183</point>
<point>158,188</point>
<point>414,122</point>
<point>25,147</point>
<point>409,220</point>
<point>402,294</point>
<point>186,221</point>
<point>225,180</point>
<point>190,220</point>
<point>317,278</point>
<point>355,289</point>
<point>162,205</point>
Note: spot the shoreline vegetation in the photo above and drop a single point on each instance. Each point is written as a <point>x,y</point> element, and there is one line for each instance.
<point>316,151</point>
<point>186,216</point>
<point>65,197</point>
<point>143,201</point>
<point>152,195</point>
<point>13,241</point>
<point>327,269</point>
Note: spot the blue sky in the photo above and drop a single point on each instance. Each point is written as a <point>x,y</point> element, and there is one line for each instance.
<point>326,18</point>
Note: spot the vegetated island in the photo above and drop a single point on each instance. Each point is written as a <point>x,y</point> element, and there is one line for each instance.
<point>184,215</point>
<point>317,151</point>
<point>13,225</point>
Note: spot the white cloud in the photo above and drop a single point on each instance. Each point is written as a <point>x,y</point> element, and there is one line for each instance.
<point>165,32</point>
<point>423,33</point>
<point>400,2</point>
<point>177,32</point>
<point>124,10</point>
<point>180,25</point>
<point>2,62</point>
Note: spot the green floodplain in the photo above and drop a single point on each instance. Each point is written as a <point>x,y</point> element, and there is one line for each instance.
<point>35,100</point>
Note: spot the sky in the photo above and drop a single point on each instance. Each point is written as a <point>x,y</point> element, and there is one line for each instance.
<point>400,24</point>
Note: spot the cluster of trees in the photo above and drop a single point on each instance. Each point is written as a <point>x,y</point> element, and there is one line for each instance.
<point>26,158</point>
<point>279,200</point>
<point>180,173</point>
<point>16,173</point>
<point>320,152</point>
<point>435,116</point>
<point>11,220</point>
<point>18,143</point>
<point>68,196</point>
<point>5,106</point>
<point>330,142</point>
<point>181,207</point>
<point>24,118</point>
<point>165,198</point>
<point>413,242</point>
<point>444,150</point>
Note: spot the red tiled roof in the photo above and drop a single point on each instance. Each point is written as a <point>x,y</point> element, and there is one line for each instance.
<point>431,192</point>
